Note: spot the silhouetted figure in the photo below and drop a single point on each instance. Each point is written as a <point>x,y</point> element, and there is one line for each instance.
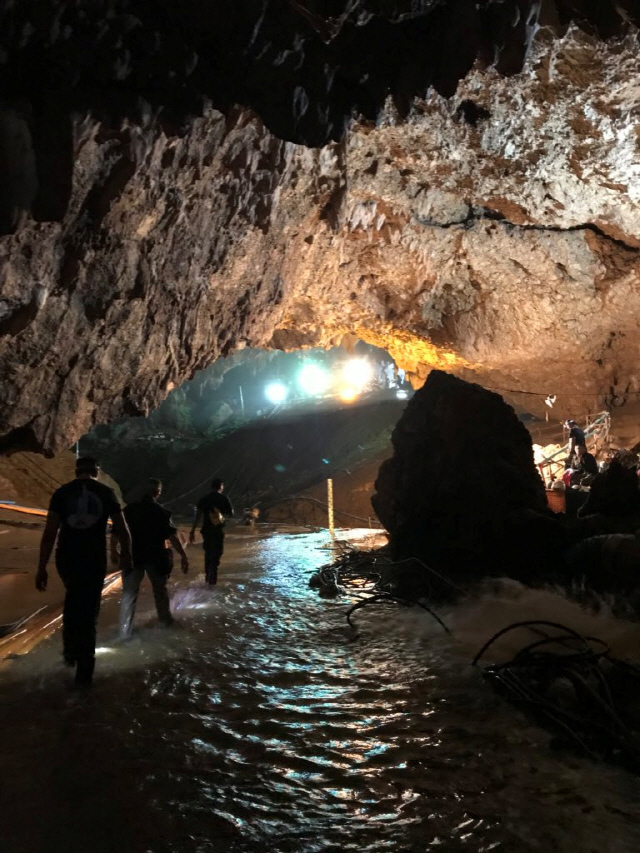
<point>250,516</point>
<point>614,493</point>
<point>78,516</point>
<point>151,528</point>
<point>607,558</point>
<point>211,511</point>
<point>577,437</point>
<point>587,468</point>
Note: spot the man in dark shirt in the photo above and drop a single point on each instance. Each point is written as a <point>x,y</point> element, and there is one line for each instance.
<point>587,467</point>
<point>212,510</point>
<point>577,438</point>
<point>151,527</point>
<point>78,516</point>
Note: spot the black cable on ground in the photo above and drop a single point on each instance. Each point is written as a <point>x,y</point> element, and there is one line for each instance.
<point>573,684</point>
<point>429,569</point>
<point>526,624</point>
<point>385,597</point>
<point>361,574</point>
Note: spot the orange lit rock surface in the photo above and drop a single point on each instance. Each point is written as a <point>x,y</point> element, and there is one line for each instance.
<point>494,233</point>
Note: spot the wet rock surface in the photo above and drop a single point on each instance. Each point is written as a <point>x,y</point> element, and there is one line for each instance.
<point>463,219</point>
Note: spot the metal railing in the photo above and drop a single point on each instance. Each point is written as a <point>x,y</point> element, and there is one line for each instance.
<point>597,431</point>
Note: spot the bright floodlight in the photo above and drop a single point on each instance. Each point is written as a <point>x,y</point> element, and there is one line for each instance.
<point>348,394</point>
<point>313,379</point>
<point>357,372</point>
<point>275,392</point>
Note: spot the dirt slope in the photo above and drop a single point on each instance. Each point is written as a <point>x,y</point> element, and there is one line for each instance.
<point>30,479</point>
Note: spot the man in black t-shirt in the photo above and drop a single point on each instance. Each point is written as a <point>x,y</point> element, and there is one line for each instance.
<point>212,510</point>
<point>577,438</point>
<point>587,469</point>
<point>150,526</point>
<point>78,516</point>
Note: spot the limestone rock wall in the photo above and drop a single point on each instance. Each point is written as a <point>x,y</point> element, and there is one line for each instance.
<point>510,243</point>
<point>489,226</point>
<point>161,263</point>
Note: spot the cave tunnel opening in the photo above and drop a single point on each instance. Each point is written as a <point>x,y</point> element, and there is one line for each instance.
<point>272,423</point>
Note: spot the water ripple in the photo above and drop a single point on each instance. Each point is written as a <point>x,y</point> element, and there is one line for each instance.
<point>264,725</point>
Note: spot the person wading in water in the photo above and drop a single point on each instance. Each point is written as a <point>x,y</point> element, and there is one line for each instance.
<point>78,515</point>
<point>150,526</point>
<point>212,510</point>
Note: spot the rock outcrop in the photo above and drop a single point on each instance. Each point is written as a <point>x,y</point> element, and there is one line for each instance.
<point>464,219</point>
<point>462,468</point>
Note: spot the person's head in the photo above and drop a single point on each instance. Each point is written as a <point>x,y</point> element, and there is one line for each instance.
<point>569,423</point>
<point>87,466</point>
<point>217,485</point>
<point>581,450</point>
<point>154,488</point>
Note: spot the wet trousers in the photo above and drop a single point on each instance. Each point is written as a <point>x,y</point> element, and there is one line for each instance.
<point>131,587</point>
<point>83,581</point>
<point>213,544</point>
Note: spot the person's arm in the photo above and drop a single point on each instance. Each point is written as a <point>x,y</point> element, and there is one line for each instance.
<point>196,520</point>
<point>121,531</point>
<point>46,547</point>
<point>177,544</point>
<point>115,554</point>
<point>228,510</point>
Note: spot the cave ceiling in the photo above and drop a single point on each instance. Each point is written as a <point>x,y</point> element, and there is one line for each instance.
<point>457,182</point>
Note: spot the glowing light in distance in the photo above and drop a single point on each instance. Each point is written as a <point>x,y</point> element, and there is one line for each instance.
<point>357,372</point>
<point>275,392</point>
<point>402,394</point>
<point>313,379</point>
<point>348,395</point>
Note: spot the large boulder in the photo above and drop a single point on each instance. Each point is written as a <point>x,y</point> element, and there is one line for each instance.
<point>462,479</point>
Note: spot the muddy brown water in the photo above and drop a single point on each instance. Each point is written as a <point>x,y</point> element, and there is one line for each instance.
<point>265,724</point>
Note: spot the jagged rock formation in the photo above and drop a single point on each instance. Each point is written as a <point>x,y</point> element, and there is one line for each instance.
<point>466,219</point>
<point>462,467</point>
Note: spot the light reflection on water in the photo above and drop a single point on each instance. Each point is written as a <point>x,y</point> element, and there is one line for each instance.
<point>265,724</point>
